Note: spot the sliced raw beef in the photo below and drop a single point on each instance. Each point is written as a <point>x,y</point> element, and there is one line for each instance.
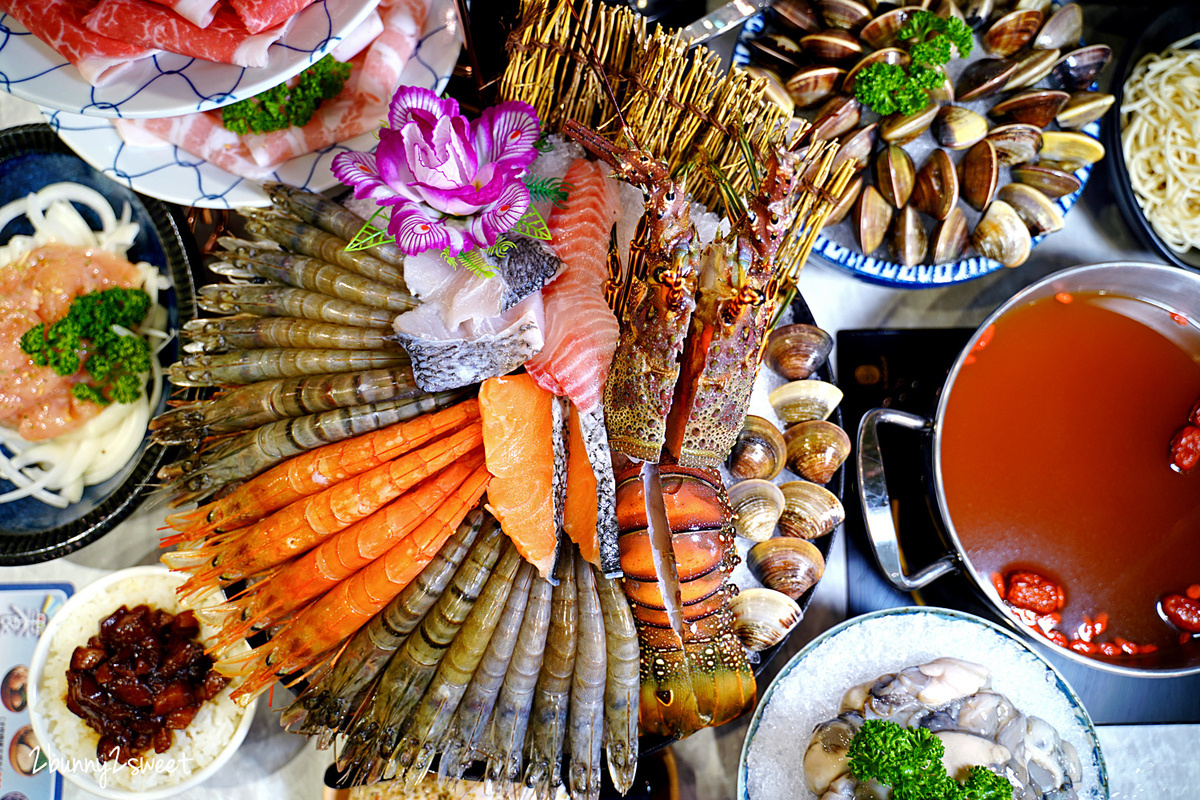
<point>258,15</point>
<point>403,21</point>
<point>225,40</point>
<point>203,136</point>
<point>360,38</point>
<point>197,12</point>
<point>581,330</point>
<point>60,24</point>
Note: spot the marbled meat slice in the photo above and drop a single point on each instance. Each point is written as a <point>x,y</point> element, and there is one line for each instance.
<point>200,134</point>
<point>197,12</point>
<point>60,24</point>
<point>225,40</point>
<point>581,330</point>
<point>403,22</point>
<point>258,15</point>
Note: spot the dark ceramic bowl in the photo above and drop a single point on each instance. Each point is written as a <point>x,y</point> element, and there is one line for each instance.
<point>1177,22</point>
<point>31,157</point>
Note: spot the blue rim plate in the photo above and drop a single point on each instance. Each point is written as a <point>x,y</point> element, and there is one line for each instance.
<point>883,271</point>
<point>174,175</point>
<point>169,84</point>
<point>31,157</point>
<point>804,694</point>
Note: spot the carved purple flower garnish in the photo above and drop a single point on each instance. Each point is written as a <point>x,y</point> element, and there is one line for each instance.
<point>452,184</point>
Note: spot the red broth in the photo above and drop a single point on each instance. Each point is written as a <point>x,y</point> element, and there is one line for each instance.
<point>1054,457</point>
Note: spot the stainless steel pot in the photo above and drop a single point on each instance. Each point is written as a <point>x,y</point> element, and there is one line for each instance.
<point>1168,287</point>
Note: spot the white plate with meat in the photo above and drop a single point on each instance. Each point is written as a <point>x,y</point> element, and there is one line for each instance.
<point>167,84</point>
<point>172,174</point>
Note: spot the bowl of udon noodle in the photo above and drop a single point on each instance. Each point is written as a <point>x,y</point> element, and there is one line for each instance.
<point>77,253</point>
<point>1153,138</point>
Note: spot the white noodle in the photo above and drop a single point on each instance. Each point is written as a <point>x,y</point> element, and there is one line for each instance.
<point>55,471</point>
<point>1160,137</point>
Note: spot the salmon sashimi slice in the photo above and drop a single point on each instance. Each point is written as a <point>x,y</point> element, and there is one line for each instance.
<point>590,508</point>
<point>519,442</point>
<point>581,330</point>
<point>579,508</point>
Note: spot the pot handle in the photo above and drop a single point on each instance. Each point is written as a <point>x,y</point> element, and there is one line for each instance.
<point>876,504</point>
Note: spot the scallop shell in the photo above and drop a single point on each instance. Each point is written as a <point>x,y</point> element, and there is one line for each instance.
<point>817,448</point>
<point>809,510</point>
<point>798,350</point>
<point>759,451</point>
<point>958,128</point>
<point>756,504</point>
<point>786,564</point>
<point>800,401</point>
<point>763,617</point>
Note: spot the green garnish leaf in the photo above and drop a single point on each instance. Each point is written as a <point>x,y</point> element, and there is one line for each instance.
<point>890,88</point>
<point>85,337</point>
<point>283,106</point>
<point>927,27</point>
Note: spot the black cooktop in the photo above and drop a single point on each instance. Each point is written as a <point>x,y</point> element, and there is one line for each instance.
<point>905,369</point>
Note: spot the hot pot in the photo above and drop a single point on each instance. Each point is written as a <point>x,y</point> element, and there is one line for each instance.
<point>1168,288</point>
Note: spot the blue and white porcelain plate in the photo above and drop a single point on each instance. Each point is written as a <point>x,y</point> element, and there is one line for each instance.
<point>838,245</point>
<point>174,175</point>
<point>809,690</point>
<point>169,84</point>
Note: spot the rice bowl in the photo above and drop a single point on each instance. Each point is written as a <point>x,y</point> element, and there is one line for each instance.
<point>196,751</point>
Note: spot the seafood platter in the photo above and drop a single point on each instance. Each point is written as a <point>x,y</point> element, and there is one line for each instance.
<point>973,175</point>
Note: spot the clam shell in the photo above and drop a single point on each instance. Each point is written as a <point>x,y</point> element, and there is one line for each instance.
<point>800,401</point>
<point>817,448</point>
<point>907,241</point>
<point>759,450</point>
<point>838,115</point>
<point>762,617</point>
<point>950,238</point>
<point>786,564</point>
<point>1050,182</point>
<point>856,146</point>
<point>1034,208</point>
<point>977,12</point>
<point>983,78</point>
<point>1001,235</point>
<point>1037,107</point>
<point>888,55</point>
<point>936,189</point>
<point>1078,68</point>
<point>798,350</point>
<point>1071,147</point>
<point>881,31</point>
<point>1031,68</point>
<point>845,14</point>
<point>1062,29</point>
<point>872,214</point>
<point>832,47</point>
<point>948,9</point>
<point>1015,143</point>
<point>1083,107</point>
<point>1011,32</point>
<point>903,128</point>
<point>809,510</point>
<point>757,504</point>
<point>776,51</point>
<point>774,91</point>
<point>979,175</point>
<point>847,200</point>
<point>945,92</point>
<point>958,128</point>
<point>895,175</point>
<point>811,85</point>
<point>796,15</point>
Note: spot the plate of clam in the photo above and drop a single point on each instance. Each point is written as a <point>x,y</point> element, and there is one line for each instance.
<point>973,180</point>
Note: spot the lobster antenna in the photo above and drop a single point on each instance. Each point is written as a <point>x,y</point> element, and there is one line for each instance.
<point>597,66</point>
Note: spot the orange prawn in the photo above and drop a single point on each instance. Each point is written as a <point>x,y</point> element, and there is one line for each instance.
<point>299,527</point>
<point>321,627</point>
<point>268,601</point>
<point>314,471</point>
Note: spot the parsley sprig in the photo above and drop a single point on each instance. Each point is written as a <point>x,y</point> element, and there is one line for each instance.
<point>283,106</point>
<point>890,88</point>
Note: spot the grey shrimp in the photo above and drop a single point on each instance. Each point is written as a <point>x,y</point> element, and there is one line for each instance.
<point>510,718</point>
<point>251,366</point>
<point>250,260</point>
<point>247,333</point>
<point>372,738</point>
<point>622,685</point>
<point>548,720</point>
<point>328,216</point>
<point>254,404</point>
<point>475,709</point>
<point>301,237</point>
<point>585,725</point>
<point>433,716</point>
<point>280,300</point>
<point>326,704</point>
